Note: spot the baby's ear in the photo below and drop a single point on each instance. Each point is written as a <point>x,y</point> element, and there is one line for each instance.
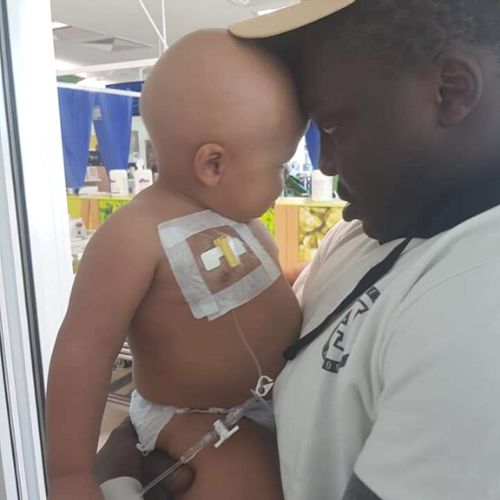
<point>208,164</point>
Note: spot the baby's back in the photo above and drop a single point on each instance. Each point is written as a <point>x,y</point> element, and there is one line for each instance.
<point>227,275</point>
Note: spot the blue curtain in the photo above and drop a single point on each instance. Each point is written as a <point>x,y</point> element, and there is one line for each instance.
<point>75,108</point>
<point>313,144</point>
<point>113,127</point>
<point>134,87</point>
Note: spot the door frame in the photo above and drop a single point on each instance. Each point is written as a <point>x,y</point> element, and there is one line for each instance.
<point>35,254</point>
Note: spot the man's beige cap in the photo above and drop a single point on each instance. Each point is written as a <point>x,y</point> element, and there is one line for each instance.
<point>288,19</point>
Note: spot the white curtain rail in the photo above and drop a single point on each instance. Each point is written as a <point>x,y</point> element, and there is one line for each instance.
<point>72,86</point>
<point>100,68</point>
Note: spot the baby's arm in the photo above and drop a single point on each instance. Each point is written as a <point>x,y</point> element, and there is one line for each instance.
<point>115,275</point>
<point>265,238</point>
<point>291,272</point>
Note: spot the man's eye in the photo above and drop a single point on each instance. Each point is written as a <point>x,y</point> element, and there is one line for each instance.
<point>331,130</point>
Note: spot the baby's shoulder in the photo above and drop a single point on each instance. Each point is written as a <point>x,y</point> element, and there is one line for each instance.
<point>133,225</point>
<point>137,215</point>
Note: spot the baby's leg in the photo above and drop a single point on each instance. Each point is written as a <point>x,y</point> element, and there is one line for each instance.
<point>245,467</point>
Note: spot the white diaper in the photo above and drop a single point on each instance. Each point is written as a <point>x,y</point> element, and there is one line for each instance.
<point>149,419</point>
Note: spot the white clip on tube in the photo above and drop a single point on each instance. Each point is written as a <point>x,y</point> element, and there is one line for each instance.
<point>222,430</point>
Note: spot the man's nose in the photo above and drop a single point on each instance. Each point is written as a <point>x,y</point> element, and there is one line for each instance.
<point>326,158</point>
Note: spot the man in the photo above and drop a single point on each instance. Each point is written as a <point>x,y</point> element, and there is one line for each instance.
<point>394,396</point>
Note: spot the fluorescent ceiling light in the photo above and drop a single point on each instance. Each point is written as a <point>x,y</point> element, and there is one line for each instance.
<point>143,63</point>
<point>64,65</point>
<point>56,25</point>
<point>263,12</point>
<point>94,83</point>
<point>256,3</point>
<point>266,11</point>
<point>264,5</point>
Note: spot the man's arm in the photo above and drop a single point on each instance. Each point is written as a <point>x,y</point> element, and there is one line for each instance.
<point>115,275</point>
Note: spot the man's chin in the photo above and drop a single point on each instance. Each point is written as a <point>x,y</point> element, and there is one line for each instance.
<point>351,212</point>
<point>371,229</point>
<point>373,233</point>
<point>381,233</point>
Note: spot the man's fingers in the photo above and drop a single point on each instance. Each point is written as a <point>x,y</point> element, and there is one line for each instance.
<point>155,464</point>
<point>119,456</point>
<point>181,480</point>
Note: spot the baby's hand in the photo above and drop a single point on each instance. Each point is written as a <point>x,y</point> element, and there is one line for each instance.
<point>75,487</point>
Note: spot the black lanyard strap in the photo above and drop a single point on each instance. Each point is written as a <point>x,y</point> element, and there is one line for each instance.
<point>446,212</point>
<point>366,282</point>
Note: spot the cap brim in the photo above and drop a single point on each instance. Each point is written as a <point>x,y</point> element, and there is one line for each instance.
<point>288,19</point>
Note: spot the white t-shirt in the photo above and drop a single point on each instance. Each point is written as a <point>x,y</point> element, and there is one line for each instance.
<point>403,389</point>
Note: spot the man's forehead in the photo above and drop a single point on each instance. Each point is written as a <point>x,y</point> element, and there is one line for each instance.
<point>314,100</point>
<point>321,83</point>
<point>312,76</point>
<point>324,81</point>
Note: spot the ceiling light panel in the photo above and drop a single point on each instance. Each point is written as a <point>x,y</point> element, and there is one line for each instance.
<point>77,35</point>
<point>115,44</point>
<point>254,3</point>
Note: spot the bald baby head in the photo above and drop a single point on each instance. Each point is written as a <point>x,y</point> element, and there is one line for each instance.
<point>222,113</point>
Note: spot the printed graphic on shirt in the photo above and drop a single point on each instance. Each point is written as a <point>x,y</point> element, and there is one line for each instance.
<point>334,355</point>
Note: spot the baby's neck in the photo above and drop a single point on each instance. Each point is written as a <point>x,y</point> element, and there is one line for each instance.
<point>162,189</point>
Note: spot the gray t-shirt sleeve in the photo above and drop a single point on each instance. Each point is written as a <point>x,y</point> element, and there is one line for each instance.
<point>437,429</point>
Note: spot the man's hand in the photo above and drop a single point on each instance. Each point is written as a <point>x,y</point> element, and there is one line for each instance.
<point>155,464</point>
<point>120,457</point>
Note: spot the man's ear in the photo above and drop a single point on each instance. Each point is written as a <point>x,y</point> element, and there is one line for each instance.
<point>209,164</point>
<point>461,86</point>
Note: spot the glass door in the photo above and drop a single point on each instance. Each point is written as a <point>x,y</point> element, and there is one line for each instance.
<point>35,257</point>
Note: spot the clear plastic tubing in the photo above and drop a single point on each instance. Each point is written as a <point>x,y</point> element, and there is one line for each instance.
<point>232,418</point>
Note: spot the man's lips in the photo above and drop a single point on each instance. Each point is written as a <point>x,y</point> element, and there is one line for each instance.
<point>343,195</point>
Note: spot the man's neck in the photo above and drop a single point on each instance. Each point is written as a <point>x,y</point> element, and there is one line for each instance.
<point>456,206</point>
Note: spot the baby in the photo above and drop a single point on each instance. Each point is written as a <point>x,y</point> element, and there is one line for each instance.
<point>190,277</point>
